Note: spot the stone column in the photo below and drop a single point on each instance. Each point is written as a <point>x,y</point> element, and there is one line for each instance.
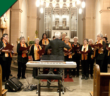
<point>88,20</point>
<point>15,23</point>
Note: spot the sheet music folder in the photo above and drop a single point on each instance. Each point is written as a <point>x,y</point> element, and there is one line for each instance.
<point>24,48</point>
<point>8,47</point>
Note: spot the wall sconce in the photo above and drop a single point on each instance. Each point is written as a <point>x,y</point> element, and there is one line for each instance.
<point>108,8</point>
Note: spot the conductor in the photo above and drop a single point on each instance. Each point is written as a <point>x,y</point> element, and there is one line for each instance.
<point>57,47</point>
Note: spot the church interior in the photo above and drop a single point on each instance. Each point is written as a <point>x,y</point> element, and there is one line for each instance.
<point>81,20</point>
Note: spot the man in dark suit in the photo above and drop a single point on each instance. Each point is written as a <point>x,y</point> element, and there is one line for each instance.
<point>57,47</point>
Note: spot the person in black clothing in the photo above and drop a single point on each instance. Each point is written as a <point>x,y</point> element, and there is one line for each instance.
<point>22,58</point>
<point>68,56</point>
<point>92,58</point>
<point>44,41</point>
<point>106,59</point>
<point>35,55</point>
<point>85,58</point>
<point>100,52</point>
<point>6,58</point>
<point>57,47</point>
<point>75,54</point>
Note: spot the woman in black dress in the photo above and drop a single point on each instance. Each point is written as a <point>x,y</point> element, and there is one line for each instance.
<point>22,58</point>
<point>35,55</point>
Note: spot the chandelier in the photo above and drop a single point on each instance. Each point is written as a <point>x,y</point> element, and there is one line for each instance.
<point>80,4</point>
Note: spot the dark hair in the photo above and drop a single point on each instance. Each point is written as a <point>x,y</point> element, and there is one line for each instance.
<point>1,38</point>
<point>105,38</point>
<point>53,37</point>
<point>43,35</point>
<point>4,35</point>
<point>86,39</point>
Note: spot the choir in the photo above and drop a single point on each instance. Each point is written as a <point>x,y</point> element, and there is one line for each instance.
<point>86,54</point>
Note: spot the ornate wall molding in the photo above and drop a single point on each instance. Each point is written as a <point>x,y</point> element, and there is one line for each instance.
<point>16,10</point>
<point>88,18</point>
<point>103,10</point>
<point>34,17</point>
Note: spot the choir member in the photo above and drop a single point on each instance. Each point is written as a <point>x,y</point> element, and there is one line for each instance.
<point>22,58</point>
<point>6,56</point>
<point>75,54</point>
<point>85,59</point>
<point>44,40</point>
<point>63,36</point>
<point>100,52</point>
<point>35,55</point>
<point>92,57</point>
<point>53,37</point>
<point>106,59</point>
<point>68,57</point>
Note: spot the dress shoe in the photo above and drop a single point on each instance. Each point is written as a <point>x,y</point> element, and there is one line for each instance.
<point>11,75</point>
<point>70,76</point>
<point>23,77</point>
<point>83,77</point>
<point>86,78</point>
<point>18,78</point>
<point>3,80</point>
<point>65,76</point>
<point>91,76</point>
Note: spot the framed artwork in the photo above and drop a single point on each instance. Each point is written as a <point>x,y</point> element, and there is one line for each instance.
<point>56,24</point>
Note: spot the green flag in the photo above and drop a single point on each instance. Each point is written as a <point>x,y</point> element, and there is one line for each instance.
<point>5,5</point>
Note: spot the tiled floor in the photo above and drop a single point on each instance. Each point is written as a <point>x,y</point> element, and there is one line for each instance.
<point>79,87</point>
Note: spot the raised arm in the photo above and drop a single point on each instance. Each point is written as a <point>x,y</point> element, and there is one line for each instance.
<point>66,46</point>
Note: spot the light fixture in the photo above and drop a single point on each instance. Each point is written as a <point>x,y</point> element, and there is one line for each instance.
<point>78,2</point>
<point>83,4</point>
<point>42,2</point>
<point>80,11</point>
<point>108,8</point>
<point>68,3</point>
<point>38,3</point>
<point>54,3</point>
<point>73,4</point>
<point>47,4</point>
<point>41,10</point>
<point>61,5</point>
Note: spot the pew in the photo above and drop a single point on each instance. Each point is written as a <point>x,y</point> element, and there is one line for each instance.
<point>2,90</point>
<point>101,83</point>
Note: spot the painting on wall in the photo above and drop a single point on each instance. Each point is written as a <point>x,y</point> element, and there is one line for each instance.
<point>56,24</point>
<point>64,23</point>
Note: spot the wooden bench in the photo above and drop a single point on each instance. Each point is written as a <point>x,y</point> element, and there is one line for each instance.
<point>101,83</point>
<point>2,90</point>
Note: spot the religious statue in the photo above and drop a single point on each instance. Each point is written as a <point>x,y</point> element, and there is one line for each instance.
<point>3,22</point>
<point>56,24</point>
<point>64,24</point>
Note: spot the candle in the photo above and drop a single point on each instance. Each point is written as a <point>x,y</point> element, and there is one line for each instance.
<point>28,38</point>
